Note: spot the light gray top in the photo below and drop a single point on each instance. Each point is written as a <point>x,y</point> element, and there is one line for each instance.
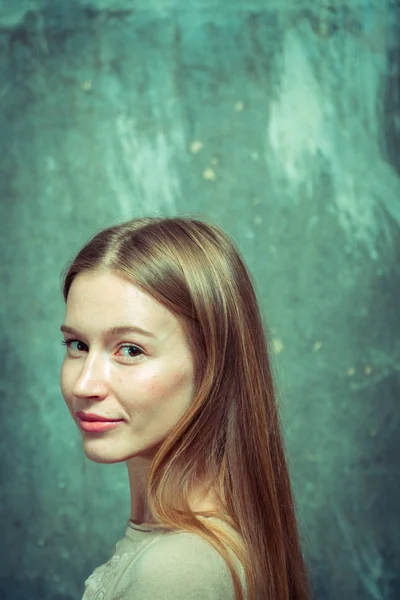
<point>152,564</point>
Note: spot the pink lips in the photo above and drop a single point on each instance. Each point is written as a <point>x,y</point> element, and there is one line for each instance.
<point>96,423</point>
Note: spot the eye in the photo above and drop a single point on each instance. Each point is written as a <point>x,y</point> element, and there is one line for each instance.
<point>75,345</point>
<point>131,350</point>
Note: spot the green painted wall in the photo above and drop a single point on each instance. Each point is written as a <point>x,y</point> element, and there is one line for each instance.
<point>281,122</point>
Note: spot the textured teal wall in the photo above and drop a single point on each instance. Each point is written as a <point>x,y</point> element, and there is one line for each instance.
<point>280,121</point>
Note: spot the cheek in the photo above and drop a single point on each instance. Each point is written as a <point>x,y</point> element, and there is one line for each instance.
<point>174,386</point>
<point>147,391</point>
<point>65,381</point>
<point>154,389</point>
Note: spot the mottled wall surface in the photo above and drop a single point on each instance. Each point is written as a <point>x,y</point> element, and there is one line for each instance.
<point>281,122</point>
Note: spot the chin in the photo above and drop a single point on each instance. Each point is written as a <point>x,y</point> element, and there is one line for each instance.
<point>106,456</point>
<point>107,460</point>
<point>102,451</point>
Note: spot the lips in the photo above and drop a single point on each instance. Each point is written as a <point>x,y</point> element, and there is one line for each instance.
<point>90,417</point>
<point>98,426</point>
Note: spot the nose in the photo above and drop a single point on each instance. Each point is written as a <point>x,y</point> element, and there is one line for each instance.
<point>92,381</point>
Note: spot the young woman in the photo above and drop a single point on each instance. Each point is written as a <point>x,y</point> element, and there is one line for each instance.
<point>167,368</point>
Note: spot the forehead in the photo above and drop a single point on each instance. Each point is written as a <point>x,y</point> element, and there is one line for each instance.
<point>103,298</point>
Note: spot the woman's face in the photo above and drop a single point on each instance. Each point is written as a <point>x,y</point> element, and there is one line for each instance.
<point>127,360</point>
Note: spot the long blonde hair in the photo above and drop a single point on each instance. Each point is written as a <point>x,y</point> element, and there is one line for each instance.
<point>231,431</point>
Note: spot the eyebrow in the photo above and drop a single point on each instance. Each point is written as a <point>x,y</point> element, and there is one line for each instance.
<point>118,330</point>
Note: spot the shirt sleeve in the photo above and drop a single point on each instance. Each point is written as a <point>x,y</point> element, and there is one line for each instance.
<point>181,567</point>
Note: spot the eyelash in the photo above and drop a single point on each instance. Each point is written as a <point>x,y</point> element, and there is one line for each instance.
<point>68,343</point>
